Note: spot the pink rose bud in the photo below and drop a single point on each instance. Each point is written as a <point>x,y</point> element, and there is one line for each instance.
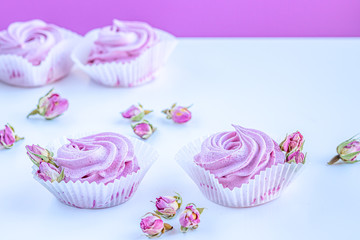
<point>49,172</point>
<point>143,129</point>
<point>38,154</point>
<point>8,137</point>
<point>347,151</point>
<point>135,113</point>
<point>178,114</point>
<point>296,157</point>
<point>152,225</point>
<point>50,106</point>
<point>168,205</point>
<point>190,217</point>
<point>292,142</point>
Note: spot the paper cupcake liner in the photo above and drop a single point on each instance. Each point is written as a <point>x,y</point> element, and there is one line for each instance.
<point>98,195</point>
<point>265,187</point>
<point>131,73</point>
<point>18,71</point>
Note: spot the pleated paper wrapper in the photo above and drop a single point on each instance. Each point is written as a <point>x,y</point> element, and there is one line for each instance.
<point>134,72</point>
<point>265,187</point>
<point>98,195</point>
<point>18,71</point>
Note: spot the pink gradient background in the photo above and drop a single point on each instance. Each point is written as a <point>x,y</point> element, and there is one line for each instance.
<point>200,18</point>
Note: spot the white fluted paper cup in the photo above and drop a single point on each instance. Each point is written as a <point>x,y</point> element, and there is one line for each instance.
<point>99,195</point>
<point>18,71</point>
<point>265,187</point>
<point>137,71</point>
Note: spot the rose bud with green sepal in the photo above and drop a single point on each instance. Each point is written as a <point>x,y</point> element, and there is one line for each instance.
<point>39,154</point>
<point>348,151</point>
<point>8,137</point>
<point>190,217</point>
<point>167,206</point>
<point>48,172</point>
<point>50,106</point>
<point>153,226</point>
<point>143,129</point>
<point>135,113</point>
<point>296,157</point>
<point>292,142</point>
<point>178,114</point>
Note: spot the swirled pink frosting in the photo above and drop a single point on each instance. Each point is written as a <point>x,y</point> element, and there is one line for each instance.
<point>236,157</point>
<point>31,40</point>
<point>97,158</point>
<point>122,41</point>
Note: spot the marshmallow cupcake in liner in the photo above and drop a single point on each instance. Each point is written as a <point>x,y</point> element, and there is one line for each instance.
<point>265,187</point>
<point>125,73</point>
<point>18,71</point>
<point>99,195</point>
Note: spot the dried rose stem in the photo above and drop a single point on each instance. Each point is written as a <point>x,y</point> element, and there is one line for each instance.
<point>334,159</point>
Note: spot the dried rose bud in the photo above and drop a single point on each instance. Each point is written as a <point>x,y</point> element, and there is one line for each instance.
<point>292,142</point>
<point>167,206</point>
<point>8,137</point>
<point>143,129</point>
<point>347,151</point>
<point>296,157</point>
<point>153,226</point>
<point>178,114</point>
<point>190,217</point>
<point>50,106</point>
<point>38,154</point>
<point>135,113</point>
<point>48,172</point>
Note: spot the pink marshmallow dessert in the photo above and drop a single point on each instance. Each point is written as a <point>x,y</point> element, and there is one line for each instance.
<point>240,168</point>
<point>99,170</point>
<point>124,54</point>
<point>35,53</point>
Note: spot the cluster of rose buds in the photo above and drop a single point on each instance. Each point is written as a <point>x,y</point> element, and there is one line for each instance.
<point>50,106</point>
<point>136,113</point>
<point>348,151</point>
<point>167,207</point>
<point>8,137</point>
<point>143,128</point>
<point>43,158</point>
<point>293,146</point>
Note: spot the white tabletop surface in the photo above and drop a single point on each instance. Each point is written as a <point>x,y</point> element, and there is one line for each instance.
<point>274,85</point>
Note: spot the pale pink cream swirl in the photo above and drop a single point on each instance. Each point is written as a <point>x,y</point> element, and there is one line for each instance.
<point>32,40</point>
<point>236,157</point>
<point>100,158</point>
<point>122,41</point>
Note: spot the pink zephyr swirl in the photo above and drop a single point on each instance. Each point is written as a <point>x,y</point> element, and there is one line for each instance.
<point>31,40</point>
<point>99,158</point>
<point>236,157</point>
<point>122,41</point>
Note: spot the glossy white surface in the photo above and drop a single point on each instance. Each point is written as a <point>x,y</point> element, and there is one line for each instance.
<point>274,85</point>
